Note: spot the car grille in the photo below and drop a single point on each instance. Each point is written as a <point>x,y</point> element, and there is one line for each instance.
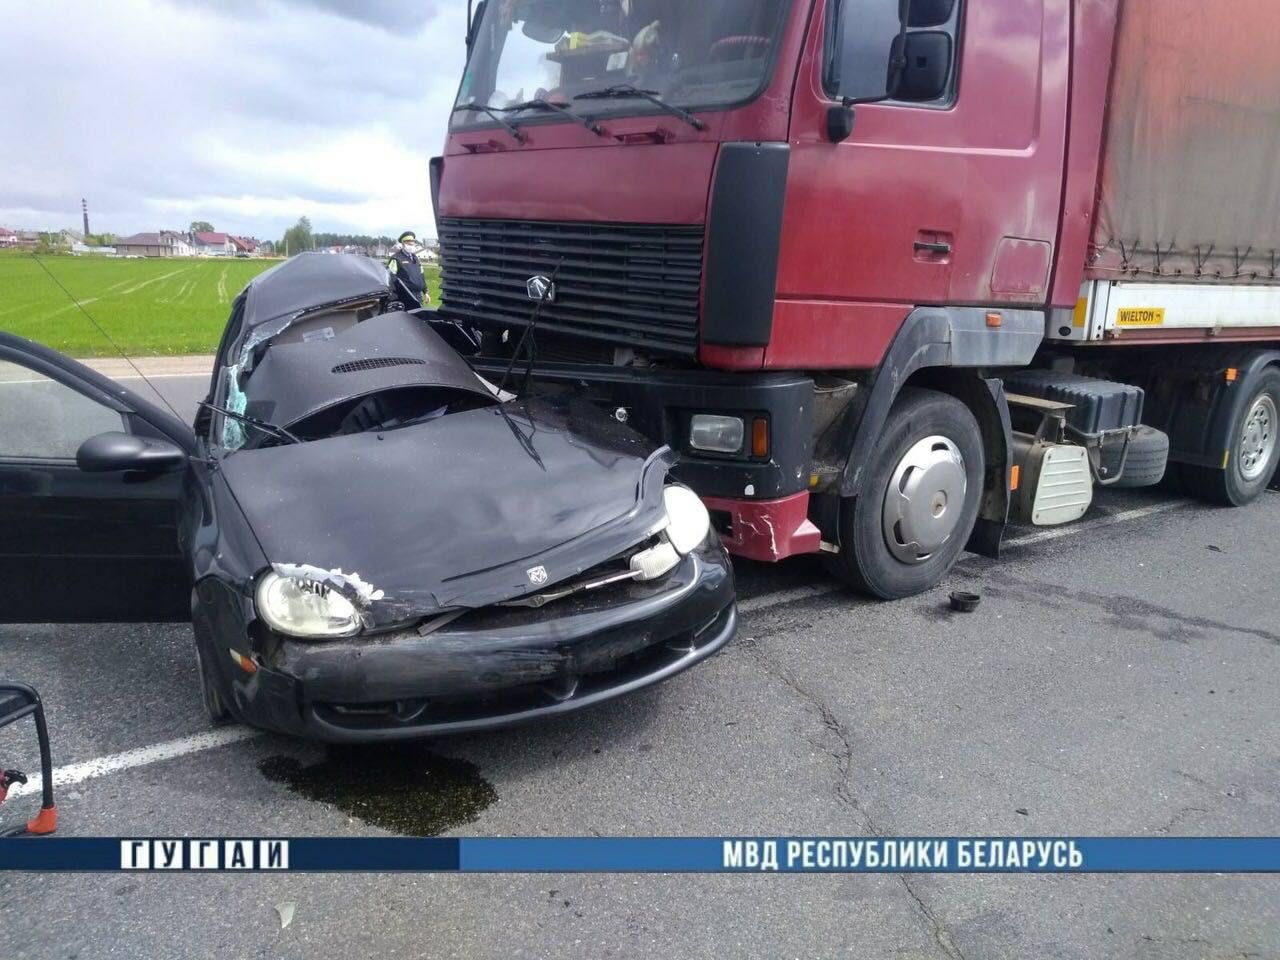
<point>621,284</point>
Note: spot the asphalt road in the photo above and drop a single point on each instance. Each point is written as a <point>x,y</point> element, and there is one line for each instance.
<point>1121,676</point>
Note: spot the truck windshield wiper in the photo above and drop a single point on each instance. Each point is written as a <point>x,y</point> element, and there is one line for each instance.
<point>270,429</point>
<point>625,91</point>
<point>542,104</point>
<point>516,133</point>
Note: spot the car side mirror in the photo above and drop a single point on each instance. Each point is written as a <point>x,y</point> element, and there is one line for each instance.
<point>114,452</point>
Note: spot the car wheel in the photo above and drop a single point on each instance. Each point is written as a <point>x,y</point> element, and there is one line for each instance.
<point>920,499</point>
<point>1144,462</point>
<point>214,704</point>
<point>1254,449</point>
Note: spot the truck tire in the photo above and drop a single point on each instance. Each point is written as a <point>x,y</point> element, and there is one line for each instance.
<point>1253,444</point>
<point>1145,462</point>
<point>917,508</point>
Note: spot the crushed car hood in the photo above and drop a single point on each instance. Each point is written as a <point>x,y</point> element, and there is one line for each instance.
<point>388,352</point>
<point>459,511</point>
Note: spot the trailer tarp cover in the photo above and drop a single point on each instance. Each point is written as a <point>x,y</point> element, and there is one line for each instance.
<point>1191,151</point>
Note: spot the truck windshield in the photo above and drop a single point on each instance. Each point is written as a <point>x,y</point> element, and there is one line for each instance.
<point>693,55</point>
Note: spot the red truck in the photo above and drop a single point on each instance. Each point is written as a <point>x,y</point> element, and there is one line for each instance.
<point>888,274</point>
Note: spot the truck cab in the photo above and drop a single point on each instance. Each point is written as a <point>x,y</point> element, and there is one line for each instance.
<point>800,241</point>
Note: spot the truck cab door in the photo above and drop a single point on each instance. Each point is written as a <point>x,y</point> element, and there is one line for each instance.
<point>79,546</point>
<point>947,192</point>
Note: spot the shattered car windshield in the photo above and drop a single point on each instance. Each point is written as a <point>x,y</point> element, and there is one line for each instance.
<point>694,55</point>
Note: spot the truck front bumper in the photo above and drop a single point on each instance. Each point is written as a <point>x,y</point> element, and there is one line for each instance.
<point>659,403</point>
<point>765,530</point>
<point>759,505</point>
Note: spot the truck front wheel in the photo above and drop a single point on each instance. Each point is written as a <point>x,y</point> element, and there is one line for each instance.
<point>920,500</point>
<point>1253,445</point>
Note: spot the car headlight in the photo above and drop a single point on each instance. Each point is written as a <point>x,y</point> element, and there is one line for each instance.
<point>300,607</point>
<point>688,522</point>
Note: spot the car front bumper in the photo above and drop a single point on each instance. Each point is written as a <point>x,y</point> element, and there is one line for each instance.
<point>498,666</point>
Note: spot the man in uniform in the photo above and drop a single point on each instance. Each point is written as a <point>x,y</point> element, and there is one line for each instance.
<point>407,280</point>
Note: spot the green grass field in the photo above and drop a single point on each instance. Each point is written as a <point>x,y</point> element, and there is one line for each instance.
<point>149,307</point>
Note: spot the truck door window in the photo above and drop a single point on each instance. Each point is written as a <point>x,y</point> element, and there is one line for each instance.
<point>863,38</point>
<point>695,55</point>
<point>41,419</point>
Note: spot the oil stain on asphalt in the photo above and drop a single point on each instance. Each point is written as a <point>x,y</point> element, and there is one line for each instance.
<point>407,791</point>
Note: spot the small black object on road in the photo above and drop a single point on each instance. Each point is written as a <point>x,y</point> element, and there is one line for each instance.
<point>965,602</point>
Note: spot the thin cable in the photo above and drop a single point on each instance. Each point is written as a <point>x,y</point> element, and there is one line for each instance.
<point>107,336</point>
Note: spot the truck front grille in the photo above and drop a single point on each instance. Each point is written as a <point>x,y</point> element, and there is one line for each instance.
<point>625,285</point>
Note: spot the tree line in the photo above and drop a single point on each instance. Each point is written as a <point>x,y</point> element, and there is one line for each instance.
<point>301,237</point>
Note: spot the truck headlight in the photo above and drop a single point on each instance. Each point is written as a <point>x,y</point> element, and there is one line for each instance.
<point>688,522</point>
<point>716,434</point>
<point>300,607</point>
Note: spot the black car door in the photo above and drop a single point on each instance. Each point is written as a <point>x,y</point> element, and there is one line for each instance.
<point>79,546</point>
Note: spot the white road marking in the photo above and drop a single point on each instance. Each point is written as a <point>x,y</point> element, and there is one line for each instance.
<point>199,742</point>
<point>1068,530</point>
<point>156,753</point>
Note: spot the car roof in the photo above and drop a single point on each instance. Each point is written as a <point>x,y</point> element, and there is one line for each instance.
<point>310,281</point>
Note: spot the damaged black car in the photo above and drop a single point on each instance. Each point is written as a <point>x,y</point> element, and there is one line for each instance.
<point>370,540</point>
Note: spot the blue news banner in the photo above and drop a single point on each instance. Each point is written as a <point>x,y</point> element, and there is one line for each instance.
<point>649,854</point>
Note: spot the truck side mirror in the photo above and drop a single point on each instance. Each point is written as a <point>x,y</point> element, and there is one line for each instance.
<point>929,13</point>
<point>926,65</point>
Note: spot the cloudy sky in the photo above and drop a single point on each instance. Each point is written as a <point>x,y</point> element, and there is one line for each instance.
<point>244,113</point>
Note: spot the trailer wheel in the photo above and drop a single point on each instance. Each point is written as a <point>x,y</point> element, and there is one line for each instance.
<point>1145,461</point>
<point>214,705</point>
<point>1253,445</point>
<point>920,500</point>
